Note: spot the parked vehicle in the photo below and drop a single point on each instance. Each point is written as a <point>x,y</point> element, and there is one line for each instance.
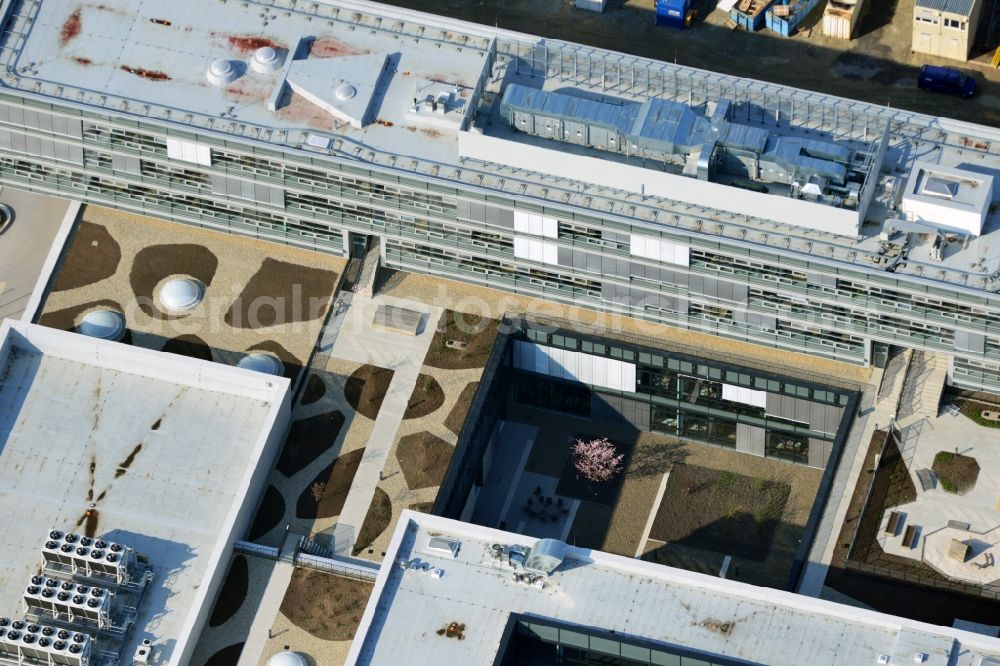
<point>946,80</point>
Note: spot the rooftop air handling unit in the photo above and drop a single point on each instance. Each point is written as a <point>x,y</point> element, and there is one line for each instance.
<point>63,599</point>
<point>87,556</point>
<point>21,641</point>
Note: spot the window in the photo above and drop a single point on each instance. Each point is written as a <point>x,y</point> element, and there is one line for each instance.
<point>787,446</point>
<point>954,23</point>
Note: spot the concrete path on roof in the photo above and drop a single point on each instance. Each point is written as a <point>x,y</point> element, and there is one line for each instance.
<point>359,341</point>
<point>30,248</point>
<point>270,604</point>
<point>873,412</point>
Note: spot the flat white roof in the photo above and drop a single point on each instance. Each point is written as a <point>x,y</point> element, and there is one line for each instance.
<point>163,446</point>
<point>665,606</point>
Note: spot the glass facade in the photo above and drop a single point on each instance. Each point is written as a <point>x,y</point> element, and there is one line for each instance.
<point>683,396</point>
<point>537,642</point>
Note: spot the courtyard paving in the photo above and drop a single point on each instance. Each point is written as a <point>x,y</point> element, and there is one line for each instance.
<point>922,439</point>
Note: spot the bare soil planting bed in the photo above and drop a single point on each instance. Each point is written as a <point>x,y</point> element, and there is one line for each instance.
<point>475,336</point>
<point>227,656</point>
<point>366,388</point>
<point>426,398</point>
<point>94,256</point>
<point>189,345</point>
<point>233,592</point>
<point>456,417</point>
<point>424,459</point>
<point>314,391</point>
<point>307,439</point>
<point>325,496</point>
<point>718,511</point>
<point>282,293</point>
<point>269,514</point>
<point>376,520</point>
<point>328,607</point>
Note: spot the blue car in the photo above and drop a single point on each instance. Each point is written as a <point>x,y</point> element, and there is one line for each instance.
<point>946,80</point>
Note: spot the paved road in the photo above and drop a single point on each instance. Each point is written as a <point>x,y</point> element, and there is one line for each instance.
<point>877,66</point>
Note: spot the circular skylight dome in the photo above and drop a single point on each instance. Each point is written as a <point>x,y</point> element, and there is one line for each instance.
<point>181,294</point>
<point>222,71</point>
<point>345,91</point>
<point>287,659</point>
<point>103,324</point>
<point>264,363</point>
<point>266,59</point>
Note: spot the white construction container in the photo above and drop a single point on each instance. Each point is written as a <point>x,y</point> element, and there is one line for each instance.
<point>840,17</point>
<point>592,5</point>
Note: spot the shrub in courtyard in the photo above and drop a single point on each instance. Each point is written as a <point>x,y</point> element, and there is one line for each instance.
<point>596,460</point>
<point>955,472</point>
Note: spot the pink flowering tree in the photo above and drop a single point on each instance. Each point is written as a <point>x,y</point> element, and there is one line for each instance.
<point>596,460</point>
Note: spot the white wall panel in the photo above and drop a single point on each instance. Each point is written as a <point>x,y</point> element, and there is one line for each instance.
<point>536,225</point>
<point>189,151</point>
<point>744,395</point>
<point>658,249</point>
<point>575,366</point>
<point>536,250</point>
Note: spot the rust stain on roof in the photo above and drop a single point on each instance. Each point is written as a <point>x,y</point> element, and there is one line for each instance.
<point>247,43</point>
<point>327,47</point>
<point>151,74</point>
<point>82,61</point>
<point>70,28</point>
<point>244,93</point>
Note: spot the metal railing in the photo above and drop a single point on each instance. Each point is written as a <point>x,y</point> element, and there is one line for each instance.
<point>248,548</point>
<point>340,566</point>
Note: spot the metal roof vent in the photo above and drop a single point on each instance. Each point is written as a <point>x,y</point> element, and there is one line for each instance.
<point>222,72</point>
<point>104,324</point>
<point>345,91</point>
<point>181,294</point>
<point>287,659</point>
<point>265,363</point>
<point>266,59</point>
<point>444,547</point>
<point>545,556</point>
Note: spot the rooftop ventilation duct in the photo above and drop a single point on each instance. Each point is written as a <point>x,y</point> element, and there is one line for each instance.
<point>264,363</point>
<point>103,324</point>
<point>181,294</point>
<point>545,556</point>
<point>222,72</point>
<point>266,59</point>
